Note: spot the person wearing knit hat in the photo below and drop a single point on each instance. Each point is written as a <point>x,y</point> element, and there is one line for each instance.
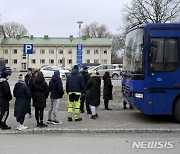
<point>5,97</point>
<point>74,87</point>
<point>22,95</point>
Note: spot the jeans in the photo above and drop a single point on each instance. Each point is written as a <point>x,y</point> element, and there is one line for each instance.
<point>84,98</point>
<point>53,111</point>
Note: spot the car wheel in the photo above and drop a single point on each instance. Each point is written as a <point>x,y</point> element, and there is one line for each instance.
<point>176,110</point>
<point>115,76</point>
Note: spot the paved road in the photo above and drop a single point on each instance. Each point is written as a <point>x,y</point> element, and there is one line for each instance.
<point>88,143</point>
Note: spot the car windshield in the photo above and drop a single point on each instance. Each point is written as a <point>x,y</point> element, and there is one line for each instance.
<point>133,54</point>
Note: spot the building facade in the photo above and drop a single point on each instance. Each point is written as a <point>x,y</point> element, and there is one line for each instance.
<point>53,51</point>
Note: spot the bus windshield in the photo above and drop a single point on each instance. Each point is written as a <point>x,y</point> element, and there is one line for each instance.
<point>133,54</point>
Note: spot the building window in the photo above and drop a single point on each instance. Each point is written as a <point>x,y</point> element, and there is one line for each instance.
<point>60,51</point>
<point>70,51</point>
<point>96,52</point>
<point>87,61</point>
<point>15,51</point>
<point>42,51</point>
<point>69,61</point>
<point>104,61</point>
<point>14,61</point>
<point>34,52</point>
<point>33,61</point>
<point>96,61</point>
<point>42,61</point>
<point>6,61</point>
<point>59,61</point>
<point>23,56</point>
<point>104,52</point>
<point>51,51</point>
<point>51,61</point>
<point>88,52</point>
<point>5,51</point>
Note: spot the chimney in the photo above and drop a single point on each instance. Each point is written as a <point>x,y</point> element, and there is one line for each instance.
<point>45,37</point>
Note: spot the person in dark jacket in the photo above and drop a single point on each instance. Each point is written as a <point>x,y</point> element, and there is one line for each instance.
<point>74,87</point>
<point>107,90</point>
<point>40,92</point>
<point>56,89</point>
<point>22,94</point>
<point>94,93</point>
<point>29,81</point>
<point>84,97</point>
<point>5,97</point>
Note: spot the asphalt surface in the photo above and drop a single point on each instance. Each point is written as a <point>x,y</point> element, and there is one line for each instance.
<point>106,143</point>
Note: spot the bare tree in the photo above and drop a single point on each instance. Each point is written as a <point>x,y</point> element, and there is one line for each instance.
<point>13,29</point>
<point>117,48</point>
<point>95,30</point>
<point>151,11</point>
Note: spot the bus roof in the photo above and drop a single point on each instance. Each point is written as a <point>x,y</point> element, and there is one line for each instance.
<point>157,26</point>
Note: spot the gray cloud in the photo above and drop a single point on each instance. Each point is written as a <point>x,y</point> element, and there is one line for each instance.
<point>59,17</point>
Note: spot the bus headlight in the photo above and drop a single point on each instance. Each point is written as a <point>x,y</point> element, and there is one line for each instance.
<point>139,95</point>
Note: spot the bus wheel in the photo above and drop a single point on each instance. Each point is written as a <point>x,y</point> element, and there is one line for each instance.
<point>177,110</point>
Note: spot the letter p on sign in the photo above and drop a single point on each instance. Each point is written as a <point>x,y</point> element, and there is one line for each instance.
<point>28,49</point>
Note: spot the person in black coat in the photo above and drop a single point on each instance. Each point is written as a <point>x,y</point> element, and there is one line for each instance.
<point>94,93</point>
<point>22,94</point>
<point>56,89</point>
<point>40,92</point>
<point>84,97</point>
<point>107,90</point>
<point>29,81</point>
<point>5,97</point>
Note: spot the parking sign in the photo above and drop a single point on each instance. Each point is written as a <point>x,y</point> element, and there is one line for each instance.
<point>28,48</point>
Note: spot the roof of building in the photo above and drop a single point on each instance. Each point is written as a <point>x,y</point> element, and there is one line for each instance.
<point>56,41</point>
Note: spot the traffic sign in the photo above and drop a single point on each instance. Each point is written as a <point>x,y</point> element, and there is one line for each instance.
<point>79,46</point>
<point>79,55</point>
<point>28,49</point>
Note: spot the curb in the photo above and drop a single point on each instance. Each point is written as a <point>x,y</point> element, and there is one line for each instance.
<point>55,130</point>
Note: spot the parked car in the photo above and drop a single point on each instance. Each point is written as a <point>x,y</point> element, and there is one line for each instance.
<point>114,70</point>
<point>48,71</point>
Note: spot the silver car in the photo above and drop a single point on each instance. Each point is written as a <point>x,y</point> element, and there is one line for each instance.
<point>114,70</point>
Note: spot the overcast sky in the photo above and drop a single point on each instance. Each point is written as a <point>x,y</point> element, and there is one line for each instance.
<point>58,18</point>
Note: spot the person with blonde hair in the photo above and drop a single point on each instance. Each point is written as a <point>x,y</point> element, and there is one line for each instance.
<point>22,94</point>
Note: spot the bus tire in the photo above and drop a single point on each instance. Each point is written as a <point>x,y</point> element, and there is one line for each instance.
<point>176,110</point>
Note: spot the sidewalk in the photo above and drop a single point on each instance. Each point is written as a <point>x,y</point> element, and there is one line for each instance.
<point>115,121</point>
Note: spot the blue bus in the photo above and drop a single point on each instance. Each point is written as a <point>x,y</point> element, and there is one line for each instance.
<point>151,69</point>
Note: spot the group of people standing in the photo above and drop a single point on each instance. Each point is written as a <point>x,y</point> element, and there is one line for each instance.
<point>80,86</point>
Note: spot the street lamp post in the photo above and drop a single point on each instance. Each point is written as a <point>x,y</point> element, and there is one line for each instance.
<point>79,48</point>
<point>79,22</point>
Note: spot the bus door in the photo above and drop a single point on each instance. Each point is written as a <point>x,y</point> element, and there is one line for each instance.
<point>163,63</point>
